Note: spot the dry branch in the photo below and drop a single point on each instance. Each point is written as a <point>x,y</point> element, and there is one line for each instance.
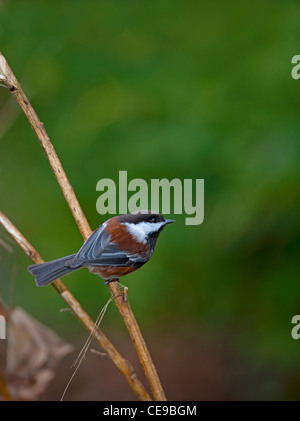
<point>138,340</point>
<point>123,305</point>
<point>13,85</point>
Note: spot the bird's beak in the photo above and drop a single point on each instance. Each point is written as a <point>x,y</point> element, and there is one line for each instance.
<point>169,221</point>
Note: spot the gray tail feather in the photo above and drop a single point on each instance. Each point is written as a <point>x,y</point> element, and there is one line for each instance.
<point>47,272</point>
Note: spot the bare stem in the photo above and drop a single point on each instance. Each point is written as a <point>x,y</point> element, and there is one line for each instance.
<point>124,308</point>
<point>3,389</point>
<point>123,305</point>
<point>15,88</point>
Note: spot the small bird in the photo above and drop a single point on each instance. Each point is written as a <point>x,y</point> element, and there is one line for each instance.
<point>120,245</point>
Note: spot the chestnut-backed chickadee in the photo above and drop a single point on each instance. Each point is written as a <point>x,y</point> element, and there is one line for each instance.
<point>119,246</point>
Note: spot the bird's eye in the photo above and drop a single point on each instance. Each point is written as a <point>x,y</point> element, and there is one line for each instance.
<point>152,219</point>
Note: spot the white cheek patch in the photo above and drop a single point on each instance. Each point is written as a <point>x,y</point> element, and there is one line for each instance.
<point>141,230</point>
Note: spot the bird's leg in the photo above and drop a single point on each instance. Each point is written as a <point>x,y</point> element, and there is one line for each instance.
<point>111,280</point>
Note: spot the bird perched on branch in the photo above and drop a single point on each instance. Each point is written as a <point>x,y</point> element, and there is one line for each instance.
<point>119,246</point>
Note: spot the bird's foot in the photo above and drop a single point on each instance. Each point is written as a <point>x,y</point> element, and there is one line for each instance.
<point>111,280</point>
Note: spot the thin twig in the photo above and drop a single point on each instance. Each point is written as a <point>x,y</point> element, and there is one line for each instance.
<point>123,304</point>
<point>79,312</point>
<point>6,246</point>
<point>81,356</point>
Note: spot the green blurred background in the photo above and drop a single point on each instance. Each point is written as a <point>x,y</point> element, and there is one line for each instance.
<point>167,89</point>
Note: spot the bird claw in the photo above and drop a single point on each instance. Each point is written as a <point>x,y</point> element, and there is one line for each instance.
<point>111,280</point>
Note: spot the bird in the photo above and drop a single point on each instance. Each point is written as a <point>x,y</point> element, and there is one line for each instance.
<point>120,246</point>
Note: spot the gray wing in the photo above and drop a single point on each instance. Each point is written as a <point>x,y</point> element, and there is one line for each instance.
<point>93,247</point>
<point>98,250</point>
<point>114,256</point>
